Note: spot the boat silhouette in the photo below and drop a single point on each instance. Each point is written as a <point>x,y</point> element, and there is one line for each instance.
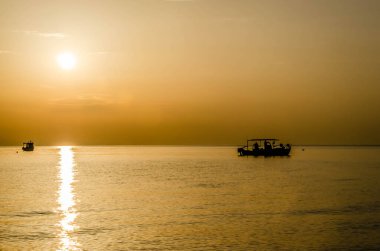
<point>264,147</point>
<point>28,146</point>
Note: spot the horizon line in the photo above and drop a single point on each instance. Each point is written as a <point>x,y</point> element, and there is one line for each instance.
<point>210,145</point>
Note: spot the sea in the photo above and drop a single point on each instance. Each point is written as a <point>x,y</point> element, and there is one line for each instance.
<point>189,198</point>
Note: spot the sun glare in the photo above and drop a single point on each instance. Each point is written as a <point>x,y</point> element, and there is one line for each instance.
<point>66,60</point>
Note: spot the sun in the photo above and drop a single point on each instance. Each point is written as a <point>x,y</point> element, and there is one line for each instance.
<point>66,60</point>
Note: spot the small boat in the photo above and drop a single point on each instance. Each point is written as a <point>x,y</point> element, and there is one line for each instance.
<point>28,146</point>
<point>264,147</point>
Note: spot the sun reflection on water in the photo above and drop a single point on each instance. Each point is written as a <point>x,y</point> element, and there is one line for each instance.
<point>66,200</point>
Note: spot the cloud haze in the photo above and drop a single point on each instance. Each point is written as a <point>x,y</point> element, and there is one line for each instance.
<point>55,35</point>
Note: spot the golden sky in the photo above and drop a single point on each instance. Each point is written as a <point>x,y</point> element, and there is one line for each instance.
<point>190,71</point>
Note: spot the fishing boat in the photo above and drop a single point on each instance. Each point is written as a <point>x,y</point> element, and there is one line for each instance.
<point>264,147</point>
<point>28,146</point>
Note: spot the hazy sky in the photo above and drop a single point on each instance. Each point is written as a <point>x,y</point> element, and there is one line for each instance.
<point>190,71</point>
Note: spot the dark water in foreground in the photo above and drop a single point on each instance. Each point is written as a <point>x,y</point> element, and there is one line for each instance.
<point>189,198</point>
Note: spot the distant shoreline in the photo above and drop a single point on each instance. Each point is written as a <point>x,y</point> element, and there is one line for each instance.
<point>322,145</point>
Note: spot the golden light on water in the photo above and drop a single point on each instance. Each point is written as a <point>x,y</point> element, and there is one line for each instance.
<point>66,200</point>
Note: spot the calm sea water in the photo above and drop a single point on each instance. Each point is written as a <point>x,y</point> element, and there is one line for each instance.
<point>189,198</point>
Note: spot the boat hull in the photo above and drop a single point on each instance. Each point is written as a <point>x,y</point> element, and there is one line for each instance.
<point>27,149</point>
<point>264,152</point>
